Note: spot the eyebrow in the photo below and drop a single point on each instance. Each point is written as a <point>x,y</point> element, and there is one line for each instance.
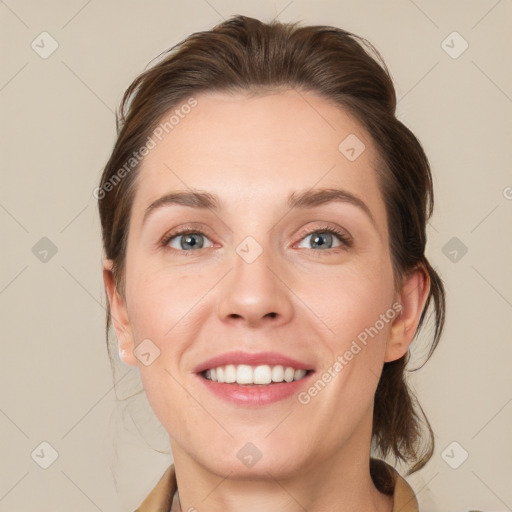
<point>305,199</point>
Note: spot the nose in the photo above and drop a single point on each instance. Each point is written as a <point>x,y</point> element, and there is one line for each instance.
<point>254,294</point>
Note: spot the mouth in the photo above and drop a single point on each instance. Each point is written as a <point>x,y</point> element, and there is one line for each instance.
<point>255,386</point>
<point>261,375</point>
<point>250,379</point>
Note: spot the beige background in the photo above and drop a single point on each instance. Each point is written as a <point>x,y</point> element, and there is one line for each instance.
<point>57,131</point>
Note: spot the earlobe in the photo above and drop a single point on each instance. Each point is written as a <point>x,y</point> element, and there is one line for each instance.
<point>125,346</point>
<point>119,315</point>
<point>413,297</point>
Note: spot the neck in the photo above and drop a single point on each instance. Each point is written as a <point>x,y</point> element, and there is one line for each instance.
<point>340,482</point>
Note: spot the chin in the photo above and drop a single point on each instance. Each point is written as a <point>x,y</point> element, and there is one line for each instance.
<point>253,460</point>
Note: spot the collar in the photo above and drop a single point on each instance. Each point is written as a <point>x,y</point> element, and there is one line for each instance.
<point>160,499</point>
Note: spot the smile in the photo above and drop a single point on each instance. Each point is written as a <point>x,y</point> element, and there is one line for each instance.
<point>256,375</point>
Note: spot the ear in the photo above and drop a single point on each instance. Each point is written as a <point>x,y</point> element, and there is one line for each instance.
<point>412,297</point>
<point>119,316</point>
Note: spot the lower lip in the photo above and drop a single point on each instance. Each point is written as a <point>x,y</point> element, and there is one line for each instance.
<point>255,395</point>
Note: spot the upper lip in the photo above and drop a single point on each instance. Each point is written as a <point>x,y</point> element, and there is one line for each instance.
<point>252,359</point>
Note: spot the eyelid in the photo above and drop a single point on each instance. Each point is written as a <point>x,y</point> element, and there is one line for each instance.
<point>183,230</point>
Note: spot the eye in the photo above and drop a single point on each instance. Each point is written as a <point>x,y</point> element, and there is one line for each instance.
<point>189,240</point>
<point>186,241</point>
<point>325,239</point>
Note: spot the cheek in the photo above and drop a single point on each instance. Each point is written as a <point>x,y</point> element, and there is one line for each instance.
<point>164,307</point>
<point>351,299</point>
<point>357,307</point>
<point>356,304</point>
<point>163,301</point>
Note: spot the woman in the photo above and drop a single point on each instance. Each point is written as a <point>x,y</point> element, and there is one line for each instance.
<point>263,216</point>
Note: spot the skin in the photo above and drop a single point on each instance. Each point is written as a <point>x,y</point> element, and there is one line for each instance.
<point>295,298</point>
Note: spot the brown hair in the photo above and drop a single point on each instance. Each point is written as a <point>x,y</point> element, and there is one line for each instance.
<point>245,54</point>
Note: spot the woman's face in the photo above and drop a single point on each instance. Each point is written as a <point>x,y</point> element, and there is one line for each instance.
<point>260,271</point>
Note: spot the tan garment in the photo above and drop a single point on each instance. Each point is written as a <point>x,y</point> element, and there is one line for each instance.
<point>164,494</point>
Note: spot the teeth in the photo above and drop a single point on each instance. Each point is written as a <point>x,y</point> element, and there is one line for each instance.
<point>289,374</point>
<point>277,374</point>
<point>262,374</point>
<point>245,374</point>
<point>230,373</point>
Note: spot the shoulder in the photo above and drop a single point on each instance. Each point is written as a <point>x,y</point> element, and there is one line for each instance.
<point>387,479</point>
<point>160,498</point>
<point>404,497</point>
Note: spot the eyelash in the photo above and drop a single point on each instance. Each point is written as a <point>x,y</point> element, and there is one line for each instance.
<point>346,241</point>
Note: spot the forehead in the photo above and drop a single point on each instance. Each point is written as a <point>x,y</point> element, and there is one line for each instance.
<point>259,148</point>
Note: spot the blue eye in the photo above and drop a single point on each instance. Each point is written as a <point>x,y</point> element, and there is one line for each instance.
<point>186,241</point>
<point>325,239</point>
